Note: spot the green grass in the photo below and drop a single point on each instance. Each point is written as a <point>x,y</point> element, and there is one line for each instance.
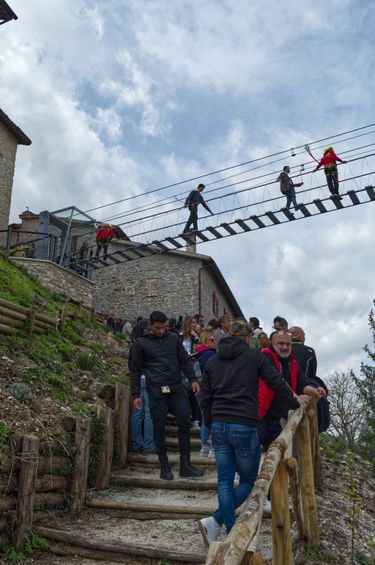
<point>81,408</point>
<point>317,555</point>
<point>4,433</point>
<point>87,361</point>
<point>19,287</point>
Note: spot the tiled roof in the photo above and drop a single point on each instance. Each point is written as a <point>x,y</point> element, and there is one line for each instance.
<point>17,132</point>
<point>6,13</point>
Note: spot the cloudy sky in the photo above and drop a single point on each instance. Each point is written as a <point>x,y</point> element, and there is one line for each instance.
<point>124,96</point>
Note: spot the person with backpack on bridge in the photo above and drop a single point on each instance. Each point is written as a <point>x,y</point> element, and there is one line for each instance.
<point>192,202</point>
<point>104,234</point>
<point>329,162</point>
<point>287,187</point>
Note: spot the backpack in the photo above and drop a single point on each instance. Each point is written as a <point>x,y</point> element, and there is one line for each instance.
<point>197,373</point>
<point>322,407</point>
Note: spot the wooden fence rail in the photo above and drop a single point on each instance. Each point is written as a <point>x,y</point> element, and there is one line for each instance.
<point>279,475</point>
<point>13,318</point>
<point>30,481</point>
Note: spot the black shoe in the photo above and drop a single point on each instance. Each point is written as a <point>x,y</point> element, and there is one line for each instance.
<point>166,473</point>
<point>187,470</point>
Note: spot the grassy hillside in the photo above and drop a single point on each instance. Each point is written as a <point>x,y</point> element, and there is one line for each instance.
<point>44,377</point>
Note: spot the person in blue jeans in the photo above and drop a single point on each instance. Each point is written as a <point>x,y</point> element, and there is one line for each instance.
<point>142,431</point>
<point>287,187</point>
<point>230,408</point>
<point>141,424</point>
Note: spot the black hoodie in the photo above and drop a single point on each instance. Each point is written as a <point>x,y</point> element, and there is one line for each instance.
<point>230,383</point>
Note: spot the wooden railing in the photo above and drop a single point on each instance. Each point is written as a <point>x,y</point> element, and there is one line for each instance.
<point>31,482</point>
<point>280,474</point>
<point>13,318</point>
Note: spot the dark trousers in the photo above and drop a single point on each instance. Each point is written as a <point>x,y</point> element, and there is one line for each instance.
<point>193,219</point>
<point>177,402</point>
<point>332,177</point>
<point>102,242</point>
<point>268,431</point>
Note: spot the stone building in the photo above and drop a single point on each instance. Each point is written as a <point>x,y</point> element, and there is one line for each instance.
<point>178,283</point>
<point>10,136</point>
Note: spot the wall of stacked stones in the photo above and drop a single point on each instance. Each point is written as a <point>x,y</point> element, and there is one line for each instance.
<point>60,280</point>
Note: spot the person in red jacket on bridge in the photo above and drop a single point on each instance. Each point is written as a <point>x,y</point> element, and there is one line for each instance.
<point>104,234</point>
<point>329,162</point>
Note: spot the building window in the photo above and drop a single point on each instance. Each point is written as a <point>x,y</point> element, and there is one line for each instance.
<point>152,288</point>
<point>215,305</point>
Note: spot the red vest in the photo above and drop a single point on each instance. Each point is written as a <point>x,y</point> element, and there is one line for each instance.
<point>265,394</point>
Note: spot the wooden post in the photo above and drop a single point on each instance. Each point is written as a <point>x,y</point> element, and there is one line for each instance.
<point>122,409</point>
<point>103,471</point>
<point>315,447</point>
<point>81,462</point>
<point>281,536</point>
<point>295,494</point>
<point>63,317</point>
<point>26,489</point>
<point>310,516</point>
<point>32,314</point>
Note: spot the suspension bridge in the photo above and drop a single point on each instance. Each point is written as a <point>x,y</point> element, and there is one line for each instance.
<point>244,198</point>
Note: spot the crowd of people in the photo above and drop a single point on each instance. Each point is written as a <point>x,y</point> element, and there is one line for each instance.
<point>227,378</point>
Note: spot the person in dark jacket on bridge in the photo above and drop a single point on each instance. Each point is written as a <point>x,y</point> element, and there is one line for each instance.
<point>160,356</point>
<point>230,408</point>
<point>192,202</point>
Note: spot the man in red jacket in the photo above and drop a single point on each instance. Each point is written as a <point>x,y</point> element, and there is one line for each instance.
<point>104,234</point>
<point>271,409</point>
<point>329,162</point>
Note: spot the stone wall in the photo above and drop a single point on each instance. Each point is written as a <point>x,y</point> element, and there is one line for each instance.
<point>8,149</point>
<point>58,279</point>
<point>166,282</point>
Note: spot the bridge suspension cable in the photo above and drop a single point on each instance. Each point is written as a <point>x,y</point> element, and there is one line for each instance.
<point>332,139</point>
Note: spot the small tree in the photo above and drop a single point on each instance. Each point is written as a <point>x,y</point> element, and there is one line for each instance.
<point>348,409</point>
<point>366,391</point>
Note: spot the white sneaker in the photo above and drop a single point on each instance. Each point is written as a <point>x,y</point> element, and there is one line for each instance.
<point>267,506</point>
<point>205,449</point>
<point>196,425</point>
<point>236,481</point>
<point>209,529</point>
<point>211,453</point>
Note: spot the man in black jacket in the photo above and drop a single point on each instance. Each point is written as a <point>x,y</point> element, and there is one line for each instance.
<point>304,354</point>
<point>160,356</point>
<point>230,408</point>
<point>192,202</point>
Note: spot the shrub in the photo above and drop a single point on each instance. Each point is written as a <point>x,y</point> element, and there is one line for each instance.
<point>60,395</point>
<point>66,351</point>
<point>4,433</point>
<point>56,381</point>
<point>20,391</point>
<point>86,361</point>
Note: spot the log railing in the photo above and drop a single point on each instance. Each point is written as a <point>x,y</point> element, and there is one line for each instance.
<point>13,318</point>
<point>30,481</point>
<point>282,476</point>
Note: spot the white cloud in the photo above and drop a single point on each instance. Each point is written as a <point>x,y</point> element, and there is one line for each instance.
<point>122,97</point>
